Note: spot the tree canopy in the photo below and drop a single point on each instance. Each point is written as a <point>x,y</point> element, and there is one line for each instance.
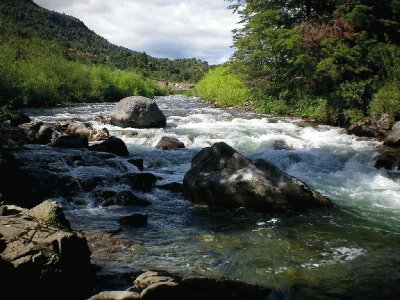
<point>340,50</point>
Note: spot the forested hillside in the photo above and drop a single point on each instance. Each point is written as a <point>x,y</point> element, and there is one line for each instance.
<point>337,61</point>
<point>24,19</point>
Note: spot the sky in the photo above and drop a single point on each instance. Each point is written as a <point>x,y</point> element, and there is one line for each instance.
<point>162,28</point>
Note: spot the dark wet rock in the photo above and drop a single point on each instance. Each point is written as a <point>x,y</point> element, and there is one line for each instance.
<point>68,185</point>
<point>393,137</point>
<point>222,178</point>
<point>377,128</point>
<point>47,259</point>
<point>139,181</point>
<point>169,143</point>
<point>125,198</point>
<point>137,112</point>
<point>71,141</point>
<point>11,136</point>
<point>90,183</point>
<point>19,118</point>
<point>37,132</point>
<point>175,187</point>
<point>129,198</point>
<point>134,220</point>
<point>112,145</point>
<point>389,160</point>
<point>138,163</point>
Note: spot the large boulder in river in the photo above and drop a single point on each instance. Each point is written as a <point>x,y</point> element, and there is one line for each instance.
<point>50,262</point>
<point>393,137</point>
<point>221,177</point>
<point>168,143</point>
<point>138,112</point>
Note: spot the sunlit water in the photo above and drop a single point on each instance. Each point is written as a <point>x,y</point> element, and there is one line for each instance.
<point>352,248</point>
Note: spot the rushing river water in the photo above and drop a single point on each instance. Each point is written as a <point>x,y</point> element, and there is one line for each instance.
<point>351,249</point>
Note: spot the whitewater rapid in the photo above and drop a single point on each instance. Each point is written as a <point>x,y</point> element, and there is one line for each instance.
<point>341,246</point>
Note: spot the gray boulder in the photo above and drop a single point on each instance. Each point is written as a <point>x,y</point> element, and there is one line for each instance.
<point>46,258</point>
<point>222,178</point>
<point>393,137</point>
<point>138,112</point>
<point>71,141</point>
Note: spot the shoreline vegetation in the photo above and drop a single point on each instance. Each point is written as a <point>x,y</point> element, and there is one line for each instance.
<point>336,62</point>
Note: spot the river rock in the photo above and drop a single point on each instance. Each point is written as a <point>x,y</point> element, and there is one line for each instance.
<point>168,143</point>
<point>19,118</point>
<point>139,181</point>
<point>137,112</point>
<point>87,130</point>
<point>125,198</point>
<point>164,285</point>
<point>116,295</point>
<point>138,163</point>
<point>134,220</point>
<point>221,177</point>
<point>49,212</point>
<point>50,262</point>
<point>37,132</point>
<point>388,159</point>
<point>112,145</point>
<point>71,141</point>
<point>377,128</point>
<point>393,137</point>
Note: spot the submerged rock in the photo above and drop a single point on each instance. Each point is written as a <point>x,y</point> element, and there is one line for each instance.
<point>169,143</point>
<point>138,112</point>
<point>221,177</point>
<point>47,259</point>
<point>134,220</point>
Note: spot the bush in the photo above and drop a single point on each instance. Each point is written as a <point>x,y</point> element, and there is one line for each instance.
<point>222,86</point>
<point>311,108</point>
<point>387,100</point>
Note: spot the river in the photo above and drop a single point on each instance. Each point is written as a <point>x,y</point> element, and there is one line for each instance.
<point>351,249</point>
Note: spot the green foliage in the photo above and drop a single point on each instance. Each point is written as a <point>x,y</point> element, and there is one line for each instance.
<point>341,51</point>
<point>387,100</point>
<point>45,78</point>
<point>315,109</point>
<point>221,86</point>
<point>25,19</point>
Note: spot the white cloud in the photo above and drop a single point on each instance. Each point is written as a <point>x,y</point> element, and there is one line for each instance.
<point>162,28</point>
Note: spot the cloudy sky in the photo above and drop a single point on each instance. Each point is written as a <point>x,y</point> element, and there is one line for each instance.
<point>162,28</point>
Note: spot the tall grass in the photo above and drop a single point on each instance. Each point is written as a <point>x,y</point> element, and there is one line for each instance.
<point>223,87</point>
<point>35,73</point>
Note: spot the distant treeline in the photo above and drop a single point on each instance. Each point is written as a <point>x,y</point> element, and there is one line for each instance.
<point>337,61</point>
<point>25,19</point>
<point>34,72</point>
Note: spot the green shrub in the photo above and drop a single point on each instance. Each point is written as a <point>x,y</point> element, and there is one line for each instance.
<point>311,108</point>
<point>272,107</point>
<point>222,86</point>
<point>387,100</point>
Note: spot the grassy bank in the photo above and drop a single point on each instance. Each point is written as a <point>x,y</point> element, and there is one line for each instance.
<point>222,86</point>
<point>35,73</point>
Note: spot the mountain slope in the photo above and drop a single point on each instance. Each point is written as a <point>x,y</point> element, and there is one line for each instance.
<point>24,18</point>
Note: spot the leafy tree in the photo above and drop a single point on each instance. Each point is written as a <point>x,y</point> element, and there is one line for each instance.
<point>343,51</point>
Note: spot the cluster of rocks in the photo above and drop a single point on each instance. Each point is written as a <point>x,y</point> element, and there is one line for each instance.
<point>163,285</point>
<point>384,130</point>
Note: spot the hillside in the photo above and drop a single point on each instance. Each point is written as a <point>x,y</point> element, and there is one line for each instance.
<point>25,19</point>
